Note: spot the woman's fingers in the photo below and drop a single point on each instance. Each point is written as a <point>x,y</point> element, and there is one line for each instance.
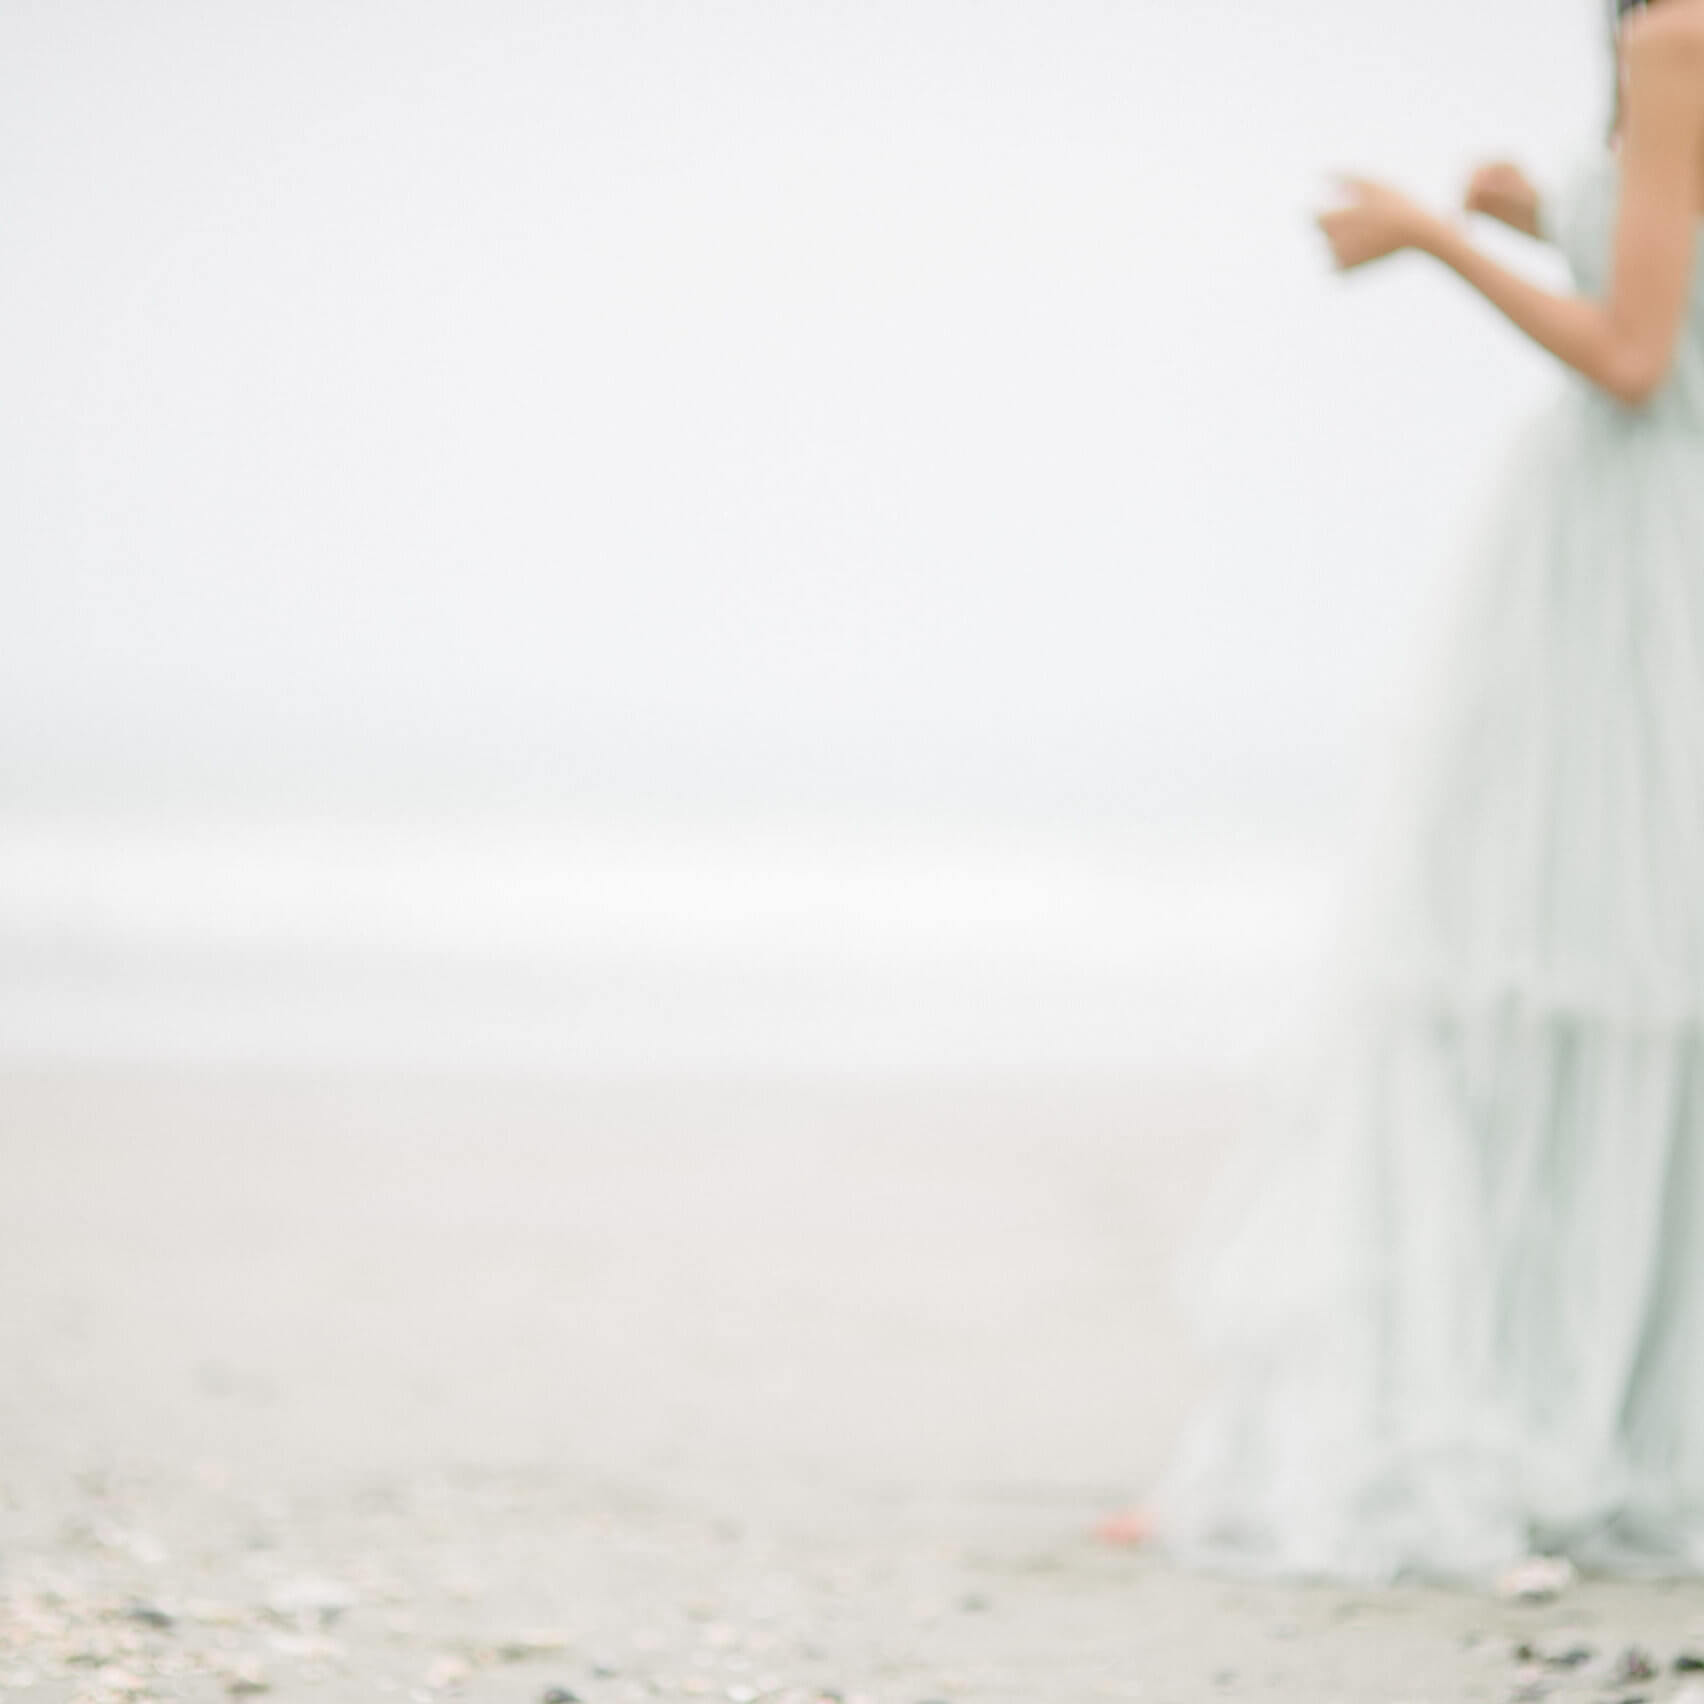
<point>1357,186</point>
<point>1337,224</point>
<point>1338,228</point>
<point>1357,235</point>
<point>1497,186</point>
<point>1372,221</point>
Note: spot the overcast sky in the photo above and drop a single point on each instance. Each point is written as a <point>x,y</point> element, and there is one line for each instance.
<point>894,404</point>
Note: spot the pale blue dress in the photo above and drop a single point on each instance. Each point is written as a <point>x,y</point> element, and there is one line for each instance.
<point>1453,1297</point>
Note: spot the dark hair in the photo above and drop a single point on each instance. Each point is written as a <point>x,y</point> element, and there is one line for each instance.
<point>1624,9</point>
<point>1614,75</point>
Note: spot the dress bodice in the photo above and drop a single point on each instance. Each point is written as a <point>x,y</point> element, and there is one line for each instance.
<point>1582,222</point>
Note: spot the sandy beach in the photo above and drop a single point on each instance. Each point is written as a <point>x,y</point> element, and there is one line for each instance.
<point>784,1387</point>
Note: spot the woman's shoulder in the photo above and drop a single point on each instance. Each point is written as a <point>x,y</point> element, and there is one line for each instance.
<point>1662,55</point>
<point>1670,34</point>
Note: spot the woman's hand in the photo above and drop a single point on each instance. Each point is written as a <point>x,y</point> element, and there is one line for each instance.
<point>1502,191</point>
<point>1375,222</point>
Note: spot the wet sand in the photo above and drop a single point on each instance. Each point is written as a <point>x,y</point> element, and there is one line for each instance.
<point>341,1385</point>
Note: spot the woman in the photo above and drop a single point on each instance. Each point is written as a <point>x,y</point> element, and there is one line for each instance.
<point>1459,1313</point>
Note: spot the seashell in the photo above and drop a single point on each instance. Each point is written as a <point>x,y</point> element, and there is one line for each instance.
<point>1537,1579</point>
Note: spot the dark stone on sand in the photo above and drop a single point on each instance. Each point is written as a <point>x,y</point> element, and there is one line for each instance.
<point>560,1695</point>
<point>1633,1664</point>
<point>1688,1662</point>
<point>150,1616</point>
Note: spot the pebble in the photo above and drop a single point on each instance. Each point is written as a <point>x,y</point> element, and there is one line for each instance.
<point>1531,1681</point>
<point>246,1676</point>
<point>143,1547</point>
<point>1688,1662</point>
<point>305,1647</point>
<point>1537,1579</point>
<point>447,1672</point>
<point>1632,1665</point>
<point>120,1680</point>
<point>325,1598</point>
<point>520,1646</point>
<point>559,1695</point>
<point>211,1614</point>
<point>1563,1647</point>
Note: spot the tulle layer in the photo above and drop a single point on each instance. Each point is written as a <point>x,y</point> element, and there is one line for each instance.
<point>1456,1295</point>
<point>1462,1321</point>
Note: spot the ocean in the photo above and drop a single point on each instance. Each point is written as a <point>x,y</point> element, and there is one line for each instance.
<point>618,946</point>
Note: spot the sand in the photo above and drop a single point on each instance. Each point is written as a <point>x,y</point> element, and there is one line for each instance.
<point>486,1386</point>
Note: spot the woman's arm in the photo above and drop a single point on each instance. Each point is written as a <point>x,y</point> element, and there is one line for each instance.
<point>1502,191</point>
<point>1624,342</point>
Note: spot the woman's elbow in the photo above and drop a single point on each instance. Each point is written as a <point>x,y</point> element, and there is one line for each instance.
<point>1633,376</point>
